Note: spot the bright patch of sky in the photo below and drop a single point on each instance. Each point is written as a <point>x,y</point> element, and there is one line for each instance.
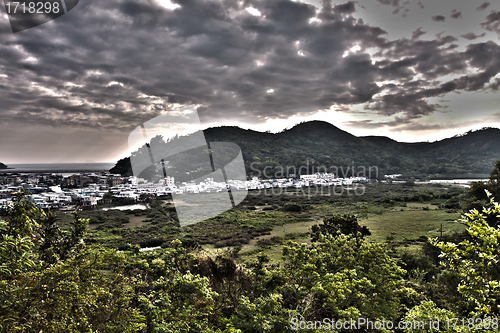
<point>253,11</point>
<point>168,4</point>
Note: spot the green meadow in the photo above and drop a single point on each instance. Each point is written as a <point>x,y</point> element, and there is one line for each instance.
<point>404,214</point>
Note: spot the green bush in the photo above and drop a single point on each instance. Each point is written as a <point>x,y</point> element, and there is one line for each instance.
<point>292,207</point>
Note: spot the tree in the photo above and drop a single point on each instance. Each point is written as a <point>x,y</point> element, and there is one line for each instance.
<point>57,244</point>
<point>494,180</point>
<point>108,197</point>
<point>19,235</point>
<point>181,303</point>
<point>14,251</point>
<point>340,224</point>
<point>51,282</point>
<point>430,315</point>
<point>477,198</point>
<point>36,231</point>
<point>477,261</point>
<point>340,277</point>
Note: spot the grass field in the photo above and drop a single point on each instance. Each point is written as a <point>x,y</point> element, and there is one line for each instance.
<point>411,224</point>
<point>136,221</point>
<point>298,232</point>
<point>264,222</point>
<point>408,224</point>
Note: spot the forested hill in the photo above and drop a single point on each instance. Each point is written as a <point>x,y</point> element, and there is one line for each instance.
<point>318,143</point>
<point>3,166</point>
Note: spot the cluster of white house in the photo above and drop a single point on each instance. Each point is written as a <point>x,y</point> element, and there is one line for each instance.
<point>54,197</point>
<point>138,186</point>
<point>92,194</point>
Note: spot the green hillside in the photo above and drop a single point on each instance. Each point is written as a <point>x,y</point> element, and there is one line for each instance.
<point>315,146</point>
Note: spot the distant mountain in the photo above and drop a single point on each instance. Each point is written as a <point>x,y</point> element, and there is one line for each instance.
<point>3,166</point>
<point>315,146</point>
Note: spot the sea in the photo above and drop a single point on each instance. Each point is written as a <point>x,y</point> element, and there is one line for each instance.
<point>62,168</point>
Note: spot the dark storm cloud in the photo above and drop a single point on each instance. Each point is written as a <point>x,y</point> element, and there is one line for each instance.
<point>439,18</point>
<point>492,22</point>
<point>494,118</point>
<point>393,3</point>
<point>483,6</point>
<point>417,33</point>
<point>455,14</point>
<point>401,124</point>
<point>113,65</point>
<point>398,6</point>
<point>495,86</point>
<point>413,96</point>
<point>406,125</point>
<point>472,36</point>
<point>347,8</point>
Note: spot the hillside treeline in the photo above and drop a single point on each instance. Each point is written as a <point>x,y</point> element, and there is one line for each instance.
<point>321,147</point>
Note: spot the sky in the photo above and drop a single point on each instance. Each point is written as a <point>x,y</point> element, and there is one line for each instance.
<point>73,89</point>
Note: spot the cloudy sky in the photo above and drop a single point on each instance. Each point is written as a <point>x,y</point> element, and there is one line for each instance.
<point>73,89</point>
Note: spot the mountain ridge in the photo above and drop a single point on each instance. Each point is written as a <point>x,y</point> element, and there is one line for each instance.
<point>318,143</point>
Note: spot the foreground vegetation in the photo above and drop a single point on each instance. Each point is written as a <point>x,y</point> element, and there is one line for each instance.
<point>273,262</point>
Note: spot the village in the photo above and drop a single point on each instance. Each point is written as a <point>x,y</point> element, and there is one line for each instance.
<point>89,190</point>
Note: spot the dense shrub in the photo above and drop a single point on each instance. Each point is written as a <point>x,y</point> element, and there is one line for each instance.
<point>292,207</point>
